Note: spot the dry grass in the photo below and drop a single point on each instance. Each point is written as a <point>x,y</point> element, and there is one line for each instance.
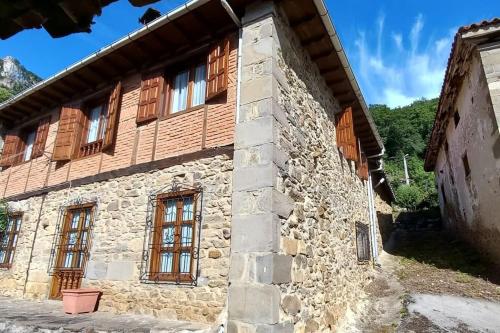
<point>431,262</point>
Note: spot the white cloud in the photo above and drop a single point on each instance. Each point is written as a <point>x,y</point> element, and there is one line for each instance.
<point>402,72</point>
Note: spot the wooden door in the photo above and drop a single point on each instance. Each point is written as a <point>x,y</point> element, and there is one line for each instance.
<point>72,250</point>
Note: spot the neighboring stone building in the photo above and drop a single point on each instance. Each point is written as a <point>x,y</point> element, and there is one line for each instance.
<point>464,148</point>
<point>214,166</point>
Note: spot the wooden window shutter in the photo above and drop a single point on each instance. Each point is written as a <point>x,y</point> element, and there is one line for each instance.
<point>41,137</point>
<point>363,167</point>
<point>70,125</point>
<point>150,97</point>
<point>217,69</point>
<point>112,117</point>
<point>346,138</point>
<point>10,149</point>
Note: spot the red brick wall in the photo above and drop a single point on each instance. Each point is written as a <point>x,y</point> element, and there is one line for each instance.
<point>210,126</point>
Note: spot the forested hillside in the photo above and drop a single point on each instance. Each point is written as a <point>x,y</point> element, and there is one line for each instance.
<point>406,130</point>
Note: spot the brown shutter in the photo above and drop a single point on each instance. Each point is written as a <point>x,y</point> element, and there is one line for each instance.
<point>112,117</point>
<point>217,69</point>
<point>149,98</point>
<point>70,124</point>
<point>346,138</point>
<point>41,137</point>
<point>10,149</point>
<point>363,167</point>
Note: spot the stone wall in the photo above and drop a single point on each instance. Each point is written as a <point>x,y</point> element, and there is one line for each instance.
<point>469,204</point>
<point>328,197</point>
<point>296,199</point>
<point>117,243</point>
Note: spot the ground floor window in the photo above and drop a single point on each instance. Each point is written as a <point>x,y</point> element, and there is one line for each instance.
<point>171,255</point>
<point>72,247</point>
<point>362,242</point>
<point>8,240</point>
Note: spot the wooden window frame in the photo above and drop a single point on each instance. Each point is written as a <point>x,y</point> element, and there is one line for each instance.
<point>10,249</point>
<point>166,110</point>
<point>63,242</point>
<point>86,149</point>
<point>176,249</point>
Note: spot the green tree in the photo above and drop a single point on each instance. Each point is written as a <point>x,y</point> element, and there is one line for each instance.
<point>409,196</point>
<point>406,130</point>
<point>4,94</point>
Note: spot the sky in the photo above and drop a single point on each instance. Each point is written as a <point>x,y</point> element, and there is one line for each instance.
<point>398,48</point>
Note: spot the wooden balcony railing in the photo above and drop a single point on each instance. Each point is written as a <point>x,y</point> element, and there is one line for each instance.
<point>90,148</point>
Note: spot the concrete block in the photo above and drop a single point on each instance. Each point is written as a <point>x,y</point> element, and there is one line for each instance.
<point>254,303</point>
<point>257,88</point>
<point>120,270</point>
<point>239,327</point>
<point>258,10</point>
<point>254,133</point>
<point>96,270</point>
<point>255,233</point>
<point>274,269</point>
<point>282,204</point>
<point>254,178</point>
<point>277,328</point>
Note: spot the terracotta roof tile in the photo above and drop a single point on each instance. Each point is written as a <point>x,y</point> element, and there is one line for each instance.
<point>479,25</point>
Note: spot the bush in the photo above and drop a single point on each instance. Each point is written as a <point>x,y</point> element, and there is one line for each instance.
<point>409,196</point>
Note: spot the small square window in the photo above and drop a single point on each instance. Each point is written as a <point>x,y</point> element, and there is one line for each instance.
<point>456,118</point>
<point>465,161</point>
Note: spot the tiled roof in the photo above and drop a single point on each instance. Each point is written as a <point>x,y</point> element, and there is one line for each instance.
<point>479,25</point>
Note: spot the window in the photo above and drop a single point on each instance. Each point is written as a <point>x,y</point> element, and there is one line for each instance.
<point>456,118</point>
<point>28,145</point>
<point>8,240</point>
<point>95,119</point>
<point>188,89</point>
<point>173,238</point>
<point>25,144</point>
<point>72,249</point>
<point>346,137</point>
<point>362,242</point>
<point>465,161</point>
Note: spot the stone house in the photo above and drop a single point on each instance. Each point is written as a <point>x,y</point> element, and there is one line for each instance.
<point>215,165</point>
<point>464,148</point>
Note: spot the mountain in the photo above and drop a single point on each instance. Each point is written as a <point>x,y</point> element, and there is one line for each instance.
<point>14,78</point>
<point>405,131</point>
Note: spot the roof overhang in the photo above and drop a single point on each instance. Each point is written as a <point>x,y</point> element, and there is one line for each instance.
<point>184,28</point>
<point>466,41</point>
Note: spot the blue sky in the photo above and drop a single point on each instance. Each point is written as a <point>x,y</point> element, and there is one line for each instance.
<point>397,48</point>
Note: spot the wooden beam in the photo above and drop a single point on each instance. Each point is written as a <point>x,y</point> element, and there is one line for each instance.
<point>321,55</point>
<point>82,79</point>
<point>96,73</point>
<point>333,82</point>
<point>329,70</point>
<point>311,40</point>
<point>204,22</point>
<point>304,20</point>
<point>42,99</point>
<point>54,93</point>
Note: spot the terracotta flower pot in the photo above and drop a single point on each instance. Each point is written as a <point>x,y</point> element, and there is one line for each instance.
<point>80,300</point>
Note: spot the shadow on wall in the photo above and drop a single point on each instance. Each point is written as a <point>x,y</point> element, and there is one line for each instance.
<point>385,225</point>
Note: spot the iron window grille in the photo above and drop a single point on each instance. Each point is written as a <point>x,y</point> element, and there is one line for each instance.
<point>362,242</point>
<point>71,244</point>
<point>8,239</point>
<point>172,236</point>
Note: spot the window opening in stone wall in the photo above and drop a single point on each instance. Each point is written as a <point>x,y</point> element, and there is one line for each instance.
<point>362,242</point>
<point>465,161</point>
<point>172,236</point>
<point>8,240</point>
<point>71,247</point>
<point>456,118</point>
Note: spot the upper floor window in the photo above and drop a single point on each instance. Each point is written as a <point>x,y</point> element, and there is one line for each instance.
<point>25,144</point>
<point>347,141</point>
<point>8,240</point>
<point>88,129</point>
<point>188,89</point>
<point>173,92</point>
